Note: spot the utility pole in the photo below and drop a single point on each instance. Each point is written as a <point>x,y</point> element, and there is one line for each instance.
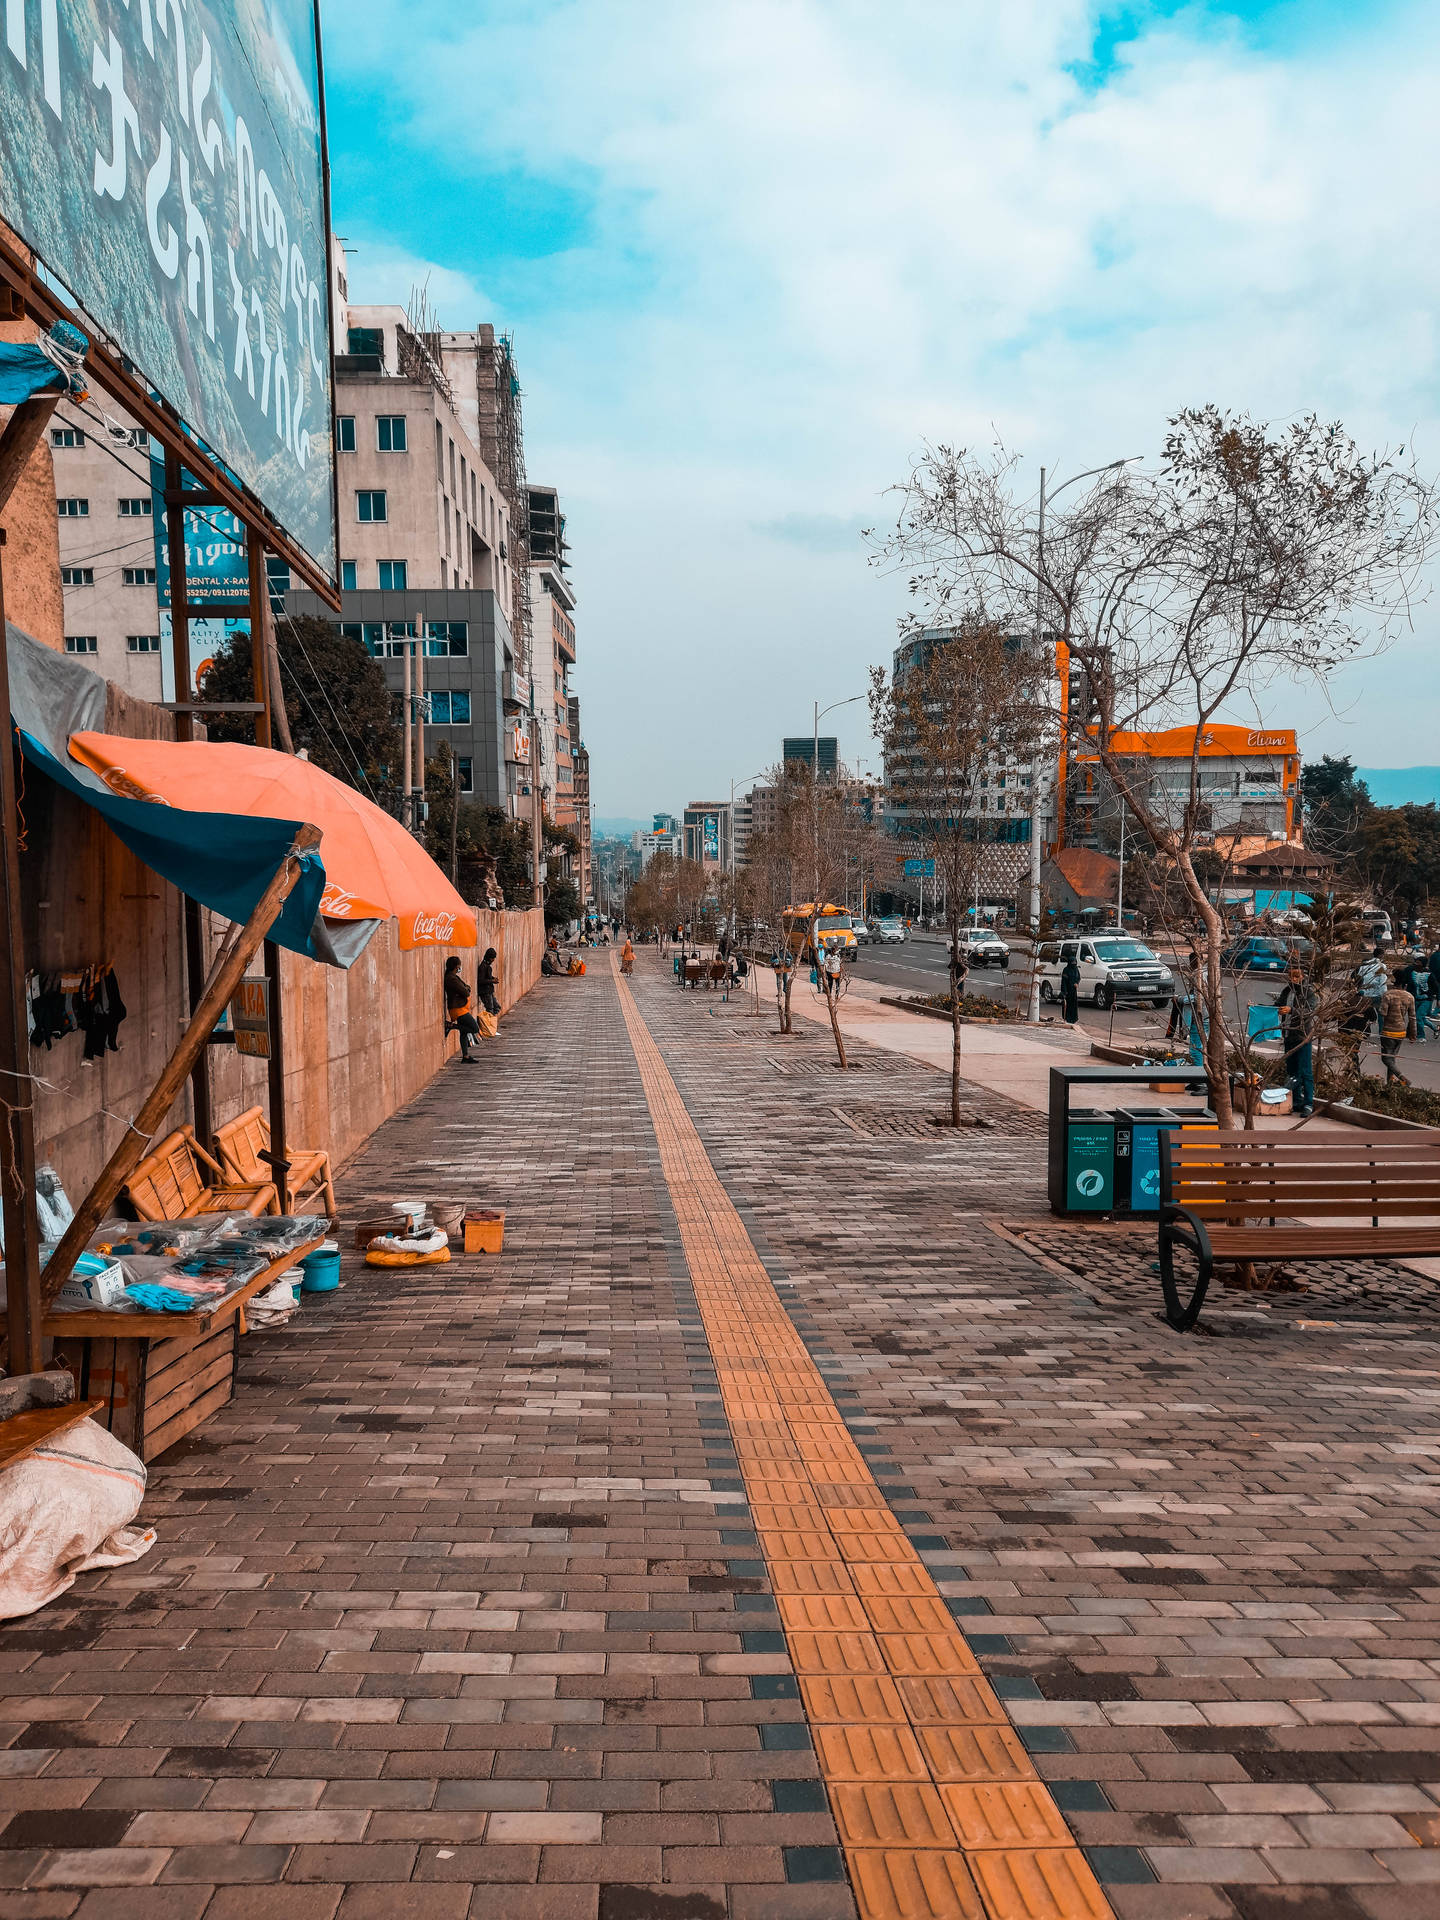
<point>537,837</point>
<point>407,811</point>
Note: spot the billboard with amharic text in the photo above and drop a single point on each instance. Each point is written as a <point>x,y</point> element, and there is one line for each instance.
<point>165,160</point>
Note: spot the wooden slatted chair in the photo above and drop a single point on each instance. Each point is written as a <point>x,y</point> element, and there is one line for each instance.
<point>1293,1196</point>
<point>244,1141</point>
<point>179,1179</point>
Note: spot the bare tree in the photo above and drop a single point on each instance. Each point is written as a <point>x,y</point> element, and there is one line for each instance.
<point>1247,558</point>
<point>802,864</point>
<point>964,712</point>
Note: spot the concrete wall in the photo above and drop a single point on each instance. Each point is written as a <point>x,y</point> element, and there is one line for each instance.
<point>361,1044</point>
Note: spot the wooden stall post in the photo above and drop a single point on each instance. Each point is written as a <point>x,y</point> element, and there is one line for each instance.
<point>17,1098</point>
<point>185,730</point>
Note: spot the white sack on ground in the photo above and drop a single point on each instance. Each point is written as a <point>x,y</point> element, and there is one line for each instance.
<point>65,1508</point>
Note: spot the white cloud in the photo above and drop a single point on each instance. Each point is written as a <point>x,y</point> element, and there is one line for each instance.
<point>824,230</point>
<point>383,274</point>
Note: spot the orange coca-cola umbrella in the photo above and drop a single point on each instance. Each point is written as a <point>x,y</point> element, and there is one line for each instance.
<point>374,870</point>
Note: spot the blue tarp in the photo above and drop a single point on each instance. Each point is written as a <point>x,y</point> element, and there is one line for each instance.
<point>26,369</point>
<point>223,860</point>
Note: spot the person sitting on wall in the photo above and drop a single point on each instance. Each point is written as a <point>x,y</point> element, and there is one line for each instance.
<point>457,1010</point>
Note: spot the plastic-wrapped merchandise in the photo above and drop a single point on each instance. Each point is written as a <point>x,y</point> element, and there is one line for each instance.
<point>275,1235</point>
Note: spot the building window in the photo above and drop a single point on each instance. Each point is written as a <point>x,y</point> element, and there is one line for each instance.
<point>74,509</point>
<point>390,433</point>
<point>366,340</point>
<point>142,642</point>
<point>138,576</point>
<point>344,433</point>
<point>450,637</point>
<point>392,576</point>
<point>467,773</point>
<point>450,709</point>
<point>77,576</point>
<point>67,436</point>
<point>347,576</point>
<point>352,630</point>
<point>137,507</point>
<point>139,437</point>
<point>80,643</point>
<point>370,506</point>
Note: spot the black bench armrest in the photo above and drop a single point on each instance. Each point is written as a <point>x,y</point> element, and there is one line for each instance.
<point>1179,1223</point>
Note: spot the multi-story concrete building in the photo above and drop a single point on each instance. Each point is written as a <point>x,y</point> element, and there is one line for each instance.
<point>552,645</point>
<point>425,560</point>
<point>107,547</point>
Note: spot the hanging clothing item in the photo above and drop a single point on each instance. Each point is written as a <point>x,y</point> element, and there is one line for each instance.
<point>100,1012</point>
<point>52,1014</point>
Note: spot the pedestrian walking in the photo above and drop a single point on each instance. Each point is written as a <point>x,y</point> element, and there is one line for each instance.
<point>1414,977</point>
<point>1070,990</point>
<point>1372,979</point>
<point>1397,1025</point>
<point>1299,1019</point>
<point>457,1010</point>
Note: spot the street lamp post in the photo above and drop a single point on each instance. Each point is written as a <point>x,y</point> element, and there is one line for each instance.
<point>820,713</point>
<point>1035,775</point>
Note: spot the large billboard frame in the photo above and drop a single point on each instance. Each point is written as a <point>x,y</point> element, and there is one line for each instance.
<point>107,368</point>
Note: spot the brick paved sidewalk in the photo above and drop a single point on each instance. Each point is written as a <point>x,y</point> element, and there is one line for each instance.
<point>459,1610</point>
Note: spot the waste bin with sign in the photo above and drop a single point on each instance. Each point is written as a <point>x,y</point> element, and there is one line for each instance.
<point>1089,1168</point>
<point>1089,1161</point>
<point>1137,1156</point>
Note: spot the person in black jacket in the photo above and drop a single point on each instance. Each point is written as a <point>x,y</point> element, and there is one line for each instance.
<point>485,983</point>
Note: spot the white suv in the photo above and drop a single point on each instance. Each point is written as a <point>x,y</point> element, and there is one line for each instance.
<point>981,947</point>
<point>1114,966</point>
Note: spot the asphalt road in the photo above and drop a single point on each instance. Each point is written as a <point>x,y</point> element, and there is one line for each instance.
<point>920,966</point>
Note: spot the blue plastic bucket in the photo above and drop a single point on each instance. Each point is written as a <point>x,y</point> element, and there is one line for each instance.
<point>321,1269</point>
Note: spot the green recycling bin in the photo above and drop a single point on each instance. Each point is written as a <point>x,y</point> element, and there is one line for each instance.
<point>1089,1161</point>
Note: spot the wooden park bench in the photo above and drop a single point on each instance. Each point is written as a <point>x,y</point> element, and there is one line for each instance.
<point>244,1147</point>
<point>1293,1196</point>
<point>174,1182</point>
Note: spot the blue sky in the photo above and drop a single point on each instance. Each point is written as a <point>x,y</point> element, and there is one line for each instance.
<point>753,252</point>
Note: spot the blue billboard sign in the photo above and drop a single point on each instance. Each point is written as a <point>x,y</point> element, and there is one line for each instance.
<point>919,869</point>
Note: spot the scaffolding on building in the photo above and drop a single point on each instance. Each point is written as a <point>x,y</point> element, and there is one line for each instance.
<point>502,442</point>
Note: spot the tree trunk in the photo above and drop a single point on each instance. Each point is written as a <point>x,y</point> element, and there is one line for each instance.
<point>786,1018</point>
<point>954,1017</point>
<point>1208,987</point>
<point>832,1007</point>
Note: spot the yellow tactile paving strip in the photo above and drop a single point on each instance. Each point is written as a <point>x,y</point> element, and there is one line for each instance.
<point>940,1812</point>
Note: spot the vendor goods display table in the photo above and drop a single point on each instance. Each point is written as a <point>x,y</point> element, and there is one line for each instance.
<point>156,1376</point>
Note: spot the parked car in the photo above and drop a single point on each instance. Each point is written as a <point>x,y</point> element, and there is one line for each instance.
<point>980,947</point>
<point>891,931</point>
<point>1261,953</point>
<point>1114,966</point>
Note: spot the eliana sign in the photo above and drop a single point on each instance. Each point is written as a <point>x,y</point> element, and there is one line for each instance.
<point>164,159</point>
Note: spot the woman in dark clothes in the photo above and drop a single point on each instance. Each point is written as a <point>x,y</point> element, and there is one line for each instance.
<point>485,983</point>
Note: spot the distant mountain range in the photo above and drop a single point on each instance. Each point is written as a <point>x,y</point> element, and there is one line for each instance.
<point>1401,786</point>
<point>611,826</point>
